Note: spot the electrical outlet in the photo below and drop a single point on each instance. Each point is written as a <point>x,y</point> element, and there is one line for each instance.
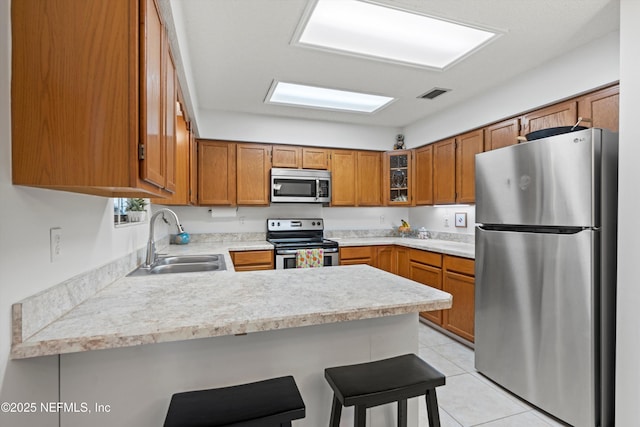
<point>55,243</point>
<point>381,219</point>
<point>446,221</point>
<point>241,219</point>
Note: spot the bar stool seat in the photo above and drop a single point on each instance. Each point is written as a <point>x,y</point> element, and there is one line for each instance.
<point>379,382</point>
<point>270,403</point>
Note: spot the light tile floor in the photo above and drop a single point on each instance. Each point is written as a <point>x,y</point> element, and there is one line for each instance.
<point>469,399</point>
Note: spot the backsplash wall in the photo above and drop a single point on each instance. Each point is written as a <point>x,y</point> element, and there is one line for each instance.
<point>441,219</point>
<point>246,219</point>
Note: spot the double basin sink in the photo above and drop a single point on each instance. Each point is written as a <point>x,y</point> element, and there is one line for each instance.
<point>182,264</point>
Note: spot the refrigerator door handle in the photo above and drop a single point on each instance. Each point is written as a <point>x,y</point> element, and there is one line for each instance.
<point>534,229</point>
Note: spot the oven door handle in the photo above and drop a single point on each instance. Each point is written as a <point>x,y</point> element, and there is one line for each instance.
<point>294,251</point>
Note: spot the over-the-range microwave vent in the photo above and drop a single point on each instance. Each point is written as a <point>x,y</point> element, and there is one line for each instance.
<point>434,93</point>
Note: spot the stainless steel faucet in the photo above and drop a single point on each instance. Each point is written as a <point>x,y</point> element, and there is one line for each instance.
<point>151,244</point>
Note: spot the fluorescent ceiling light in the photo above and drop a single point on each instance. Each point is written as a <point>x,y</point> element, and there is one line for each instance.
<point>318,97</point>
<point>367,29</point>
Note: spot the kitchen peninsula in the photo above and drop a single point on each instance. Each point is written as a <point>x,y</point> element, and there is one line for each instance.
<point>256,325</point>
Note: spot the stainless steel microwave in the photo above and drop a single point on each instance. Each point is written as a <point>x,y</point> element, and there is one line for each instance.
<point>300,186</point>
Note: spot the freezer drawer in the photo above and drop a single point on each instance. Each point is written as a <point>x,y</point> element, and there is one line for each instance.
<point>536,319</point>
<point>553,181</point>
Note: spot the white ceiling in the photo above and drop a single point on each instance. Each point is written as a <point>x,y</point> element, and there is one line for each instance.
<point>236,48</point>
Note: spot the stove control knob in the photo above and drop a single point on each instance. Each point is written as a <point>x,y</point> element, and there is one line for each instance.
<point>319,223</point>
<point>278,223</point>
<point>313,223</point>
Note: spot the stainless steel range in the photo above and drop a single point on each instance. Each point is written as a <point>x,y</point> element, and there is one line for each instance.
<point>288,235</point>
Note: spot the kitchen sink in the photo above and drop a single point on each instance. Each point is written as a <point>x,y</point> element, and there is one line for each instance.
<point>184,268</point>
<point>187,259</point>
<point>182,264</point>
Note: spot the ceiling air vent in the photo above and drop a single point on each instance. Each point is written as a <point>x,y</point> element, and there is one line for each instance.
<point>434,93</point>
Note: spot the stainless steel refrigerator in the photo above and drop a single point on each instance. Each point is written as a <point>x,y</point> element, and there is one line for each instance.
<point>546,273</point>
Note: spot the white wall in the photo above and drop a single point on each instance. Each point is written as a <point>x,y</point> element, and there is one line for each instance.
<point>628,331</point>
<point>281,130</point>
<point>26,215</point>
<point>582,70</point>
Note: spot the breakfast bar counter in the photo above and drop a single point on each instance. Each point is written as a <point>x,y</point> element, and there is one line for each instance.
<point>173,307</point>
<point>140,339</point>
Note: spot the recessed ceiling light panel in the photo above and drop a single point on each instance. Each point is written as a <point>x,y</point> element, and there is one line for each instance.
<point>324,98</point>
<point>371,30</point>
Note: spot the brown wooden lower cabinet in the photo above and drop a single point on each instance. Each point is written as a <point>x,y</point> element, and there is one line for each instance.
<point>385,258</point>
<point>451,274</point>
<point>425,268</point>
<point>459,281</point>
<point>402,261</point>
<point>352,255</point>
<point>252,260</point>
<point>394,259</point>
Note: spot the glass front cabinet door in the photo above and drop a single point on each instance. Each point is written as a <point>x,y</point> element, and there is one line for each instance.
<point>398,177</point>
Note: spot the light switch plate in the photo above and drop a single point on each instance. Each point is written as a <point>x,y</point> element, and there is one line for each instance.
<point>55,242</point>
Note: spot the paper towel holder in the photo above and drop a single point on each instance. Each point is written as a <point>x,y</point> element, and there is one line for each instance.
<point>224,212</point>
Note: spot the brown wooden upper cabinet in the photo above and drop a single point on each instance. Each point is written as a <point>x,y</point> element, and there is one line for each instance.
<point>183,185</point>
<point>423,185</point>
<point>601,108</point>
<point>104,134</point>
<point>398,177</point>
<point>501,134</point>
<point>253,170</point>
<point>343,177</point>
<point>171,99</point>
<point>286,156</point>
<point>444,172</point>
<point>369,178</point>
<point>561,114</point>
<point>467,146</point>
<point>292,156</point>
<point>152,141</point>
<point>216,173</point>
<point>315,158</point>
<point>356,178</point>
<point>454,168</point>
<point>193,167</point>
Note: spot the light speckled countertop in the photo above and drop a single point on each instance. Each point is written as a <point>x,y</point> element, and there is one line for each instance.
<point>143,310</point>
<point>465,250</point>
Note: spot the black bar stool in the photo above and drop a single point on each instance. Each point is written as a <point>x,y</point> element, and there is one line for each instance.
<point>375,383</point>
<point>269,403</point>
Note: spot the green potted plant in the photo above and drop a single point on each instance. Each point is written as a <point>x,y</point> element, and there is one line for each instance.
<point>136,211</point>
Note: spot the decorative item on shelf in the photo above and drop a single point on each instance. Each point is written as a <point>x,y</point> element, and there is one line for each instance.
<point>399,145</point>
<point>398,179</point>
<point>461,219</point>
<point>136,211</point>
<point>405,228</point>
<point>423,233</point>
